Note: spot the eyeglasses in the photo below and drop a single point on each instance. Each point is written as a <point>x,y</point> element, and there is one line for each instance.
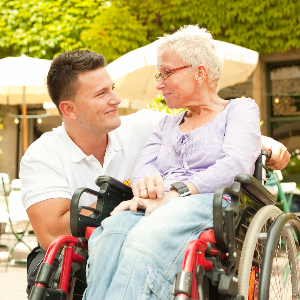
<point>166,74</point>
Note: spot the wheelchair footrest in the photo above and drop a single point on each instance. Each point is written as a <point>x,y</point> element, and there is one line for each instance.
<point>42,293</point>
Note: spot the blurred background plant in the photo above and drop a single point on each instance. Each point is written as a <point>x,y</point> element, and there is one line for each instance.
<point>159,104</point>
<point>115,32</point>
<point>293,166</point>
<point>1,126</point>
<point>292,170</point>
<point>43,29</point>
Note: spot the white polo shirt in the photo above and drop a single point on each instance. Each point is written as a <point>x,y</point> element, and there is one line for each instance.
<point>54,166</point>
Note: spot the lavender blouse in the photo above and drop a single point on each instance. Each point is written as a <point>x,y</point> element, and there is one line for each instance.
<point>209,156</point>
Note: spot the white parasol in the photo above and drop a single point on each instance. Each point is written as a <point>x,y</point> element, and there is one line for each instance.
<point>133,73</point>
<point>22,81</point>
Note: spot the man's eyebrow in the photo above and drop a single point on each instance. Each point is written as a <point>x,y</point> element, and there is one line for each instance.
<point>101,90</point>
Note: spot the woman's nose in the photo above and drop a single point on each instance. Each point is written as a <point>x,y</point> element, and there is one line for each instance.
<point>159,84</point>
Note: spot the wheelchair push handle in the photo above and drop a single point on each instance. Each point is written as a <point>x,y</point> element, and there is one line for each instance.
<point>267,153</point>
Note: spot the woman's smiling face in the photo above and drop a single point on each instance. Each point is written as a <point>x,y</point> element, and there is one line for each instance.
<point>180,87</point>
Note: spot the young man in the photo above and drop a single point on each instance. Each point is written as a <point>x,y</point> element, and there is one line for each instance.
<point>91,142</point>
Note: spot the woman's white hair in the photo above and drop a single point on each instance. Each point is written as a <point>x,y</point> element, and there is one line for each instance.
<point>195,46</point>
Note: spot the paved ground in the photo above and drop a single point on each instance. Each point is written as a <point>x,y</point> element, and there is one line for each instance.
<point>13,283</point>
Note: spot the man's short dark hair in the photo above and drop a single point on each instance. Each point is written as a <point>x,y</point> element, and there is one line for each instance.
<point>63,74</point>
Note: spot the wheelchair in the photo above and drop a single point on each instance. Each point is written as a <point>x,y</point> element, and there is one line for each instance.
<point>251,252</point>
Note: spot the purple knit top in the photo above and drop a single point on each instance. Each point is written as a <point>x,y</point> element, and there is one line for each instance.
<point>209,156</point>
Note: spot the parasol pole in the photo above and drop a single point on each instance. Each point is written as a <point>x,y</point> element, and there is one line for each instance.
<point>24,113</point>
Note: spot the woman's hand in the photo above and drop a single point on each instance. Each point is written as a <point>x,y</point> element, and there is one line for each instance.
<point>149,205</point>
<point>151,187</point>
<point>137,203</point>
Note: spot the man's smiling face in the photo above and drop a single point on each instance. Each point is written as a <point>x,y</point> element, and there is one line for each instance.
<point>96,101</point>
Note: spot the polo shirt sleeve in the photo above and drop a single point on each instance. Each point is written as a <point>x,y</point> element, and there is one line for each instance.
<point>42,173</point>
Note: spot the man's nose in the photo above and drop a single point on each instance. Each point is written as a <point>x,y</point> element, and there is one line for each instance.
<point>115,99</point>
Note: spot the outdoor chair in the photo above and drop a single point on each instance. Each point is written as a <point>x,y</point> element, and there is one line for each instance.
<point>17,219</point>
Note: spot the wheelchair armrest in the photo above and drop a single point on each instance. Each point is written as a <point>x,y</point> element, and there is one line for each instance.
<point>255,189</point>
<point>218,211</point>
<point>243,184</point>
<point>112,192</point>
<point>115,185</point>
<point>78,222</point>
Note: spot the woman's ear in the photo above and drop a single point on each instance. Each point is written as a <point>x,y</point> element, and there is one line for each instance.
<point>201,74</point>
<point>68,109</point>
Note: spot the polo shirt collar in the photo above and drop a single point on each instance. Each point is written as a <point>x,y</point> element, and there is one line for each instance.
<point>113,141</point>
<point>76,154</point>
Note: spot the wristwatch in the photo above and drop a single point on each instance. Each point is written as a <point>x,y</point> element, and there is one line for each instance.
<point>181,189</point>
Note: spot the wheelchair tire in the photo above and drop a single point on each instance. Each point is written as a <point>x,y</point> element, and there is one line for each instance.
<point>280,272</point>
<point>252,249</point>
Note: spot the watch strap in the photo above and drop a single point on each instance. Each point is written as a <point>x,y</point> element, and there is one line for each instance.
<point>181,189</point>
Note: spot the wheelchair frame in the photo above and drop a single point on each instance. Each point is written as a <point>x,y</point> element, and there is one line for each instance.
<point>209,262</point>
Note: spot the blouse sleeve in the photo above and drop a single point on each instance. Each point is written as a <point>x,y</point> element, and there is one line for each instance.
<point>146,165</point>
<point>240,149</point>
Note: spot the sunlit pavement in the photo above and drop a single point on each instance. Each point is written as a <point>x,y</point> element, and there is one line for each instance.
<point>13,282</point>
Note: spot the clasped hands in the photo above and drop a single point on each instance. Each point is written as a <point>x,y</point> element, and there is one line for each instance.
<point>149,194</point>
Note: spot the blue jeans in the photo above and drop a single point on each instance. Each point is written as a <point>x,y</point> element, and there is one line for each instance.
<point>136,257</point>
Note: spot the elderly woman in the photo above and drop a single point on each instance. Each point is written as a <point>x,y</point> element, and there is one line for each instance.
<point>135,255</point>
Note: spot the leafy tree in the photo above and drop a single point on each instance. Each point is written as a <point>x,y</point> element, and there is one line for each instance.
<point>115,32</point>
<point>265,26</point>
<point>159,104</point>
<point>43,29</point>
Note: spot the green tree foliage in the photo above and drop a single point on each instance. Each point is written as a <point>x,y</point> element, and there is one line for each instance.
<point>293,166</point>
<point>115,32</point>
<point>44,28</point>
<point>265,26</point>
<point>159,104</point>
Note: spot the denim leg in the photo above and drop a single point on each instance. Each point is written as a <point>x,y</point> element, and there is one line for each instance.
<point>104,249</point>
<point>153,250</point>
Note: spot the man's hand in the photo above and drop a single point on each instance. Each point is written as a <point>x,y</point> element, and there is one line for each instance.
<point>280,155</point>
<point>150,187</point>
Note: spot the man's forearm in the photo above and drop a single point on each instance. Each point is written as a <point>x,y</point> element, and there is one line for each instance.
<point>62,227</point>
<point>51,219</point>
